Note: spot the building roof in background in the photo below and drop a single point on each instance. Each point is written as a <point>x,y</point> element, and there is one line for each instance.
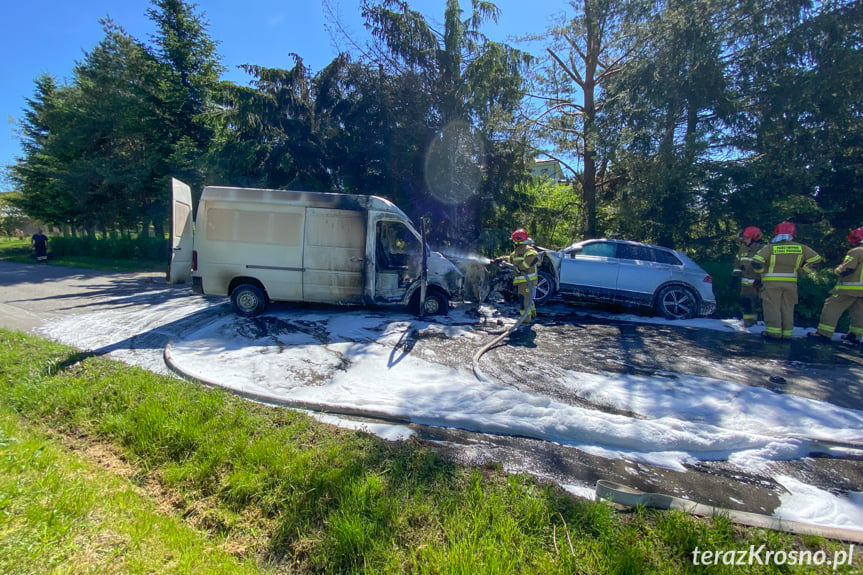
<point>546,168</point>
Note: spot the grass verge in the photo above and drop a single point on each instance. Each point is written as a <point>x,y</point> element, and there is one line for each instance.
<point>63,513</point>
<point>15,250</point>
<point>209,483</point>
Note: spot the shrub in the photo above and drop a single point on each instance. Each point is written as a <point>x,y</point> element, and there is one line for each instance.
<point>126,247</point>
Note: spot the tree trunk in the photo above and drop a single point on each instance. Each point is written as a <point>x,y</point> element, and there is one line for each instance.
<point>588,188</point>
<point>591,65</point>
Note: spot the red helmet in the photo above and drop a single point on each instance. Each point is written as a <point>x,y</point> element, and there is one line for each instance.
<point>785,228</point>
<point>856,236</point>
<point>520,235</point>
<point>751,232</point>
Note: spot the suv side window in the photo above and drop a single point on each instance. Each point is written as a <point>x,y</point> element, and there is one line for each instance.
<point>634,252</point>
<point>665,257</point>
<point>600,249</point>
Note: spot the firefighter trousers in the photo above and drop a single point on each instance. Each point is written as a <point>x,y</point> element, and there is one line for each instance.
<point>749,304</point>
<point>524,300</point>
<point>837,304</point>
<point>778,299</point>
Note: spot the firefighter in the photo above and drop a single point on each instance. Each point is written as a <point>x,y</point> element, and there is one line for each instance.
<point>750,243</point>
<point>778,265</point>
<point>847,294</point>
<point>524,258</point>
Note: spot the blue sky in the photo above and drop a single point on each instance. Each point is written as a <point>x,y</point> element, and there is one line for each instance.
<point>49,36</point>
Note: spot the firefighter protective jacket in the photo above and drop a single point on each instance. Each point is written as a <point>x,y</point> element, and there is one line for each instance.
<point>524,258</point>
<point>780,261</point>
<point>850,273</point>
<point>743,263</point>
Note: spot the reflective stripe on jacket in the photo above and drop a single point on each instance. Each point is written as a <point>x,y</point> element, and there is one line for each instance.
<point>850,273</point>
<point>743,262</point>
<point>524,259</point>
<point>523,278</point>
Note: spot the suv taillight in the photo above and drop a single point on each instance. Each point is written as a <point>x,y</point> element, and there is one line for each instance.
<point>708,280</point>
<point>194,260</point>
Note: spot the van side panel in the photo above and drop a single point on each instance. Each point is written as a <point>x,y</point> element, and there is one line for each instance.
<point>243,239</point>
<point>334,256</point>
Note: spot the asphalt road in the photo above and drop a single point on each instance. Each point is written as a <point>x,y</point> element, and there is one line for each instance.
<point>33,294</point>
<point>572,341</point>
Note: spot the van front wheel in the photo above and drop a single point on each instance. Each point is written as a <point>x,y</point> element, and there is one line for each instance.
<point>436,304</point>
<point>248,300</point>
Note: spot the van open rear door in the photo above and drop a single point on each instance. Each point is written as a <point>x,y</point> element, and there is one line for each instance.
<point>180,269</point>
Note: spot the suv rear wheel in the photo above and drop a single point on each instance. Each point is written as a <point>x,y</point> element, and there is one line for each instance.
<point>676,302</point>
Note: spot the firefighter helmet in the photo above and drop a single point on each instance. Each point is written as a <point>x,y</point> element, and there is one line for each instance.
<point>751,232</point>
<point>785,228</point>
<point>856,236</point>
<point>520,235</point>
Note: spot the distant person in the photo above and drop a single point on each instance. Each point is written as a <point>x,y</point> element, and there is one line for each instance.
<point>846,296</point>
<point>39,241</point>
<point>750,244</point>
<point>778,265</point>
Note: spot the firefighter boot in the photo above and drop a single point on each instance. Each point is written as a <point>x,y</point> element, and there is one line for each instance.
<point>850,339</point>
<point>819,337</point>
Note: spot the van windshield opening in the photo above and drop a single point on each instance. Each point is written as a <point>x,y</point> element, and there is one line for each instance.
<point>397,249</point>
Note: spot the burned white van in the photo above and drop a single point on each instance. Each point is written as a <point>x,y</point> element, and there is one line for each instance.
<point>257,246</point>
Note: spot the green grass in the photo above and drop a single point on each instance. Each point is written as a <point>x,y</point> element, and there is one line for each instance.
<point>65,514</point>
<point>15,249</point>
<point>98,254</point>
<point>211,483</point>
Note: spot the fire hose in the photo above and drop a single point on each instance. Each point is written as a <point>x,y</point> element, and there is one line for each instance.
<point>476,370</point>
<point>630,497</point>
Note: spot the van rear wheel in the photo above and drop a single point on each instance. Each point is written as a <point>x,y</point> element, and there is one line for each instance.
<point>248,300</point>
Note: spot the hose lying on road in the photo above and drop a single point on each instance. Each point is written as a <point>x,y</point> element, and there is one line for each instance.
<point>476,370</point>
<point>630,497</point>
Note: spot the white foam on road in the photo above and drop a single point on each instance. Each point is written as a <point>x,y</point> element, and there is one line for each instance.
<point>356,359</point>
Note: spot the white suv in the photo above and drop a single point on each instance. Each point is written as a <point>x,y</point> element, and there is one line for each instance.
<point>629,273</point>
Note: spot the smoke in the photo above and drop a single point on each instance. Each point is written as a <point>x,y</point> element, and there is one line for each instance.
<point>477,271</point>
<point>454,255</point>
<point>452,164</point>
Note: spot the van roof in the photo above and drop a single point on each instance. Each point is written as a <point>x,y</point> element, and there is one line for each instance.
<point>303,198</point>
